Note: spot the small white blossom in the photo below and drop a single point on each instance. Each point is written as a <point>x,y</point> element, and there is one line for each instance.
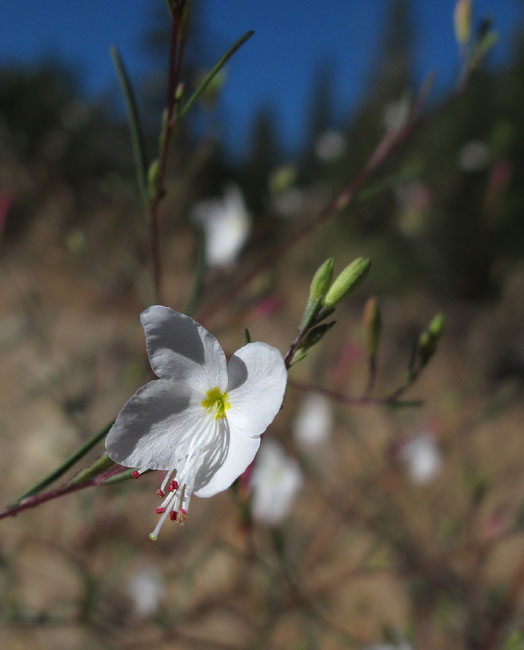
<point>276,480</point>
<point>313,423</point>
<point>146,590</point>
<point>330,145</point>
<point>422,457</point>
<point>396,114</point>
<point>473,156</point>
<point>290,202</point>
<point>201,420</point>
<point>226,223</point>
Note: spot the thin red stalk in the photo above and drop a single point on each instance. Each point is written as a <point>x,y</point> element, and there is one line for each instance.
<point>365,400</point>
<point>38,499</point>
<point>175,64</point>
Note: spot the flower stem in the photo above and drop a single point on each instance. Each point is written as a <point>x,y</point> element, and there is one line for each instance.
<point>62,469</point>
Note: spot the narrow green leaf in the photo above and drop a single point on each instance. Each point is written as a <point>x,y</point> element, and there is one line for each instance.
<point>137,138</point>
<point>62,469</point>
<point>214,70</point>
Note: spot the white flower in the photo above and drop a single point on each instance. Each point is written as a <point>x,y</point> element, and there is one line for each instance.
<point>226,224</point>
<point>146,590</point>
<point>422,457</point>
<point>312,425</point>
<point>202,419</point>
<point>330,145</point>
<point>396,114</point>
<point>473,156</point>
<point>276,480</point>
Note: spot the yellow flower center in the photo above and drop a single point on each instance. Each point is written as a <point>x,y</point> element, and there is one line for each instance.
<point>216,401</point>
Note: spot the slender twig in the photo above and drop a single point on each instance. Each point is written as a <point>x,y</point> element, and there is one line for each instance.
<point>391,141</point>
<point>62,469</point>
<point>37,499</point>
<point>388,400</point>
<point>505,609</point>
<point>372,373</point>
<point>174,67</point>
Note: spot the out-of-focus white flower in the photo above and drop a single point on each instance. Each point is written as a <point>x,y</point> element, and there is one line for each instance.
<point>312,425</point>
<point>422,457</point>
<point>290,202</point>
<point>146,590</point>
<point>203,418</point>
<point>276,480</point>
<point>330,145</point>
<point>396,114</point>
<point>226,223</point>
<point>473,156</point>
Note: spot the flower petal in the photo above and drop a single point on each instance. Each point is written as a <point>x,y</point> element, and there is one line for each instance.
<point>239,452</point>
<point>157,428</point>
<point>256,386</point>
<point>181,350</point>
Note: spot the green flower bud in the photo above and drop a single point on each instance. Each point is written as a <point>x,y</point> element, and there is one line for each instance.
<point>319,286</point>
<point>348,280</point>
<point>436,327</point>
<point>427,343</point>
<point>321,280</point>
<point>462,21</point>
<point>152,176</point>
<point>372,325</point>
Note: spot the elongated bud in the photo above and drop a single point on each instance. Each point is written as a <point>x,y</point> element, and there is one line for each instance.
<point>372,325</point>
<point>348,280</point>
<point>179,92</point>
<point>462,21</point>
<point>427,343</point>
<point>321,280</point>
<point>318,289</point>
<point>152,176</point>
<point>436,327</point>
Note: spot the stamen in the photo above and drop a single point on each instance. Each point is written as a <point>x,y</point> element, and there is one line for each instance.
<point>161,493</point>
<point>135,474</point>
<point>173,515</point>
<point>168,475</point>
<point>160,510</point>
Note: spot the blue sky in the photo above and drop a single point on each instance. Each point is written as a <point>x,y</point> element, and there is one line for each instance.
<point>276,67</point>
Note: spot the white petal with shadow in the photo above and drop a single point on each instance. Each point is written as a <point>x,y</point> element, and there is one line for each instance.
<point>257,381</point>
<point>183,351</point>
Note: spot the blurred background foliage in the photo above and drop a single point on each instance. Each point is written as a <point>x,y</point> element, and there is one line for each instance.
<point>442,222</point>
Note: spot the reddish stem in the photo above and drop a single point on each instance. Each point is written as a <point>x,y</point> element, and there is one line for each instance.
<point>175,65</point>
<point>38,499</point>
